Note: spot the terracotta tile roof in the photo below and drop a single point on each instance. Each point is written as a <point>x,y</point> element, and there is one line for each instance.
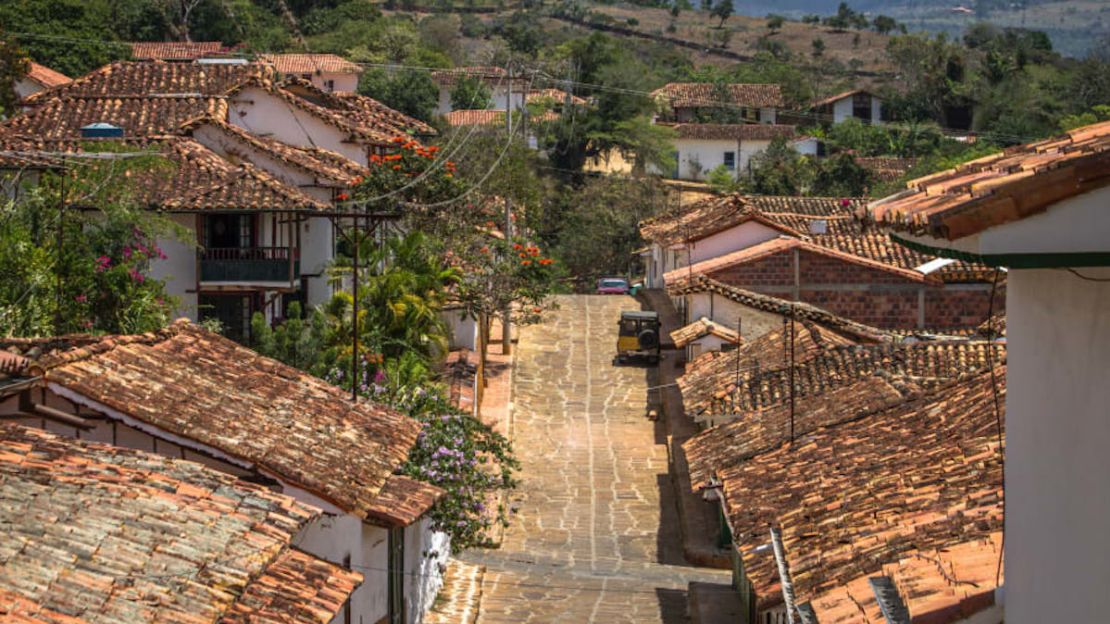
<point>402,501</point>
<point>937,585</point>
<point>798,216</point>
<point>1004,187</point>
<point>197,385</point>
<point>15,609</point>
<point>310,63</point>
<point>488,74</point>
<point>138,116</point>
<point>45,76</point>
<point>701,328</point>
<point>146,98</point>
<point>739,132</point>
<point>994,327</point>
<point>329,168</point>
<point>710,377</point>
<point>856,332</point>
<point>887,169</point>
<point>919,475</point>
<point>123,79</point>
<point>175,50</point>
<point>200,179</point>
<point>761,430</point>
<point>706,95</point>
<point>928,363</point>
<point>783,244</point>
<point>839,96</point>
<point>489,117</point>
<point>693,222</point>
<point>373,113</point>
<point>105,534</point>
<point>297,588</point>
<point>558,95</point>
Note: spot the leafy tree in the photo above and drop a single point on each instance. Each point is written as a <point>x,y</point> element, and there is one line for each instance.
<point>410,91</point>
<point>723,180</point>
<point>818,47</point>
<point>779,170</point>
<point>840,176</point>
<point>1095,115</point>
<point>722,11</point>
<point>13,67</point>
<point>470,93</point>
<point>70,36</point>
<point>523,34</point>
<point>96,279</point>
<point>775,22</point>
<point>884,24</point>
<point>292,341</point>
<point>600,227</point>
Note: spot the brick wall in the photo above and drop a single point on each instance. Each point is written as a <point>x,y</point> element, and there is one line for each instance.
<point>864,294</point>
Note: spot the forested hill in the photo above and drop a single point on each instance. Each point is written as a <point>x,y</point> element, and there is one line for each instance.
<point>1008,84</point>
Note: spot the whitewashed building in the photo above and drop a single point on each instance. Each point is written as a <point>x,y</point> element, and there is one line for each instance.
<point>1040,212</point>
<point>855,104</point>
<point>268,155</point>
<point>38,78</point>
<point>169,393</point>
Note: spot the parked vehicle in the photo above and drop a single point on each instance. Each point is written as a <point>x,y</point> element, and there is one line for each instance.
<point>612,286</point>
<point>639,336</point>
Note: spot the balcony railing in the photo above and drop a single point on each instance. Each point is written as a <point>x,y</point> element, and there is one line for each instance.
<point>246,264</point>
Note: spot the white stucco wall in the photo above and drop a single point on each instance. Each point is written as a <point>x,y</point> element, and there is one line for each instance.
<point>1057,437</point>
<point>345,539</point>
<point>26,86</point>
<point>179,269</point>
<point>341,82</point>
<point>748,149</point>
<point>263,114</point>
<point>842,110</point>
<point>733,239</point>
<point>463,329</point>
<point>426,554</point>
<point>317,253</point>
<point>709,154</point>
<point>753,323</point>
<point>767,115</point>
<point>499,99</point>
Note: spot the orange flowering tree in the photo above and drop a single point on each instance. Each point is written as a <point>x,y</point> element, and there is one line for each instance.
<point>414,179</point>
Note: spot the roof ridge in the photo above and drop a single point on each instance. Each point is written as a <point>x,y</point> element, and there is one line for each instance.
<point>104,344</point>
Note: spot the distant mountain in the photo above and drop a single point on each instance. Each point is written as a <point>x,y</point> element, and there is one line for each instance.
<point>1075,26</point>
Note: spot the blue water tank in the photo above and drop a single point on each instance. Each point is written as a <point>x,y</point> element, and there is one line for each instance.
<point>101,130</point>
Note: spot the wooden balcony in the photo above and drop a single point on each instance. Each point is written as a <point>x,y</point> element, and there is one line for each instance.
<point>249,264</point>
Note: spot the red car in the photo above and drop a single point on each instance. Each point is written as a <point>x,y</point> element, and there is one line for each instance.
<point>612,286</point>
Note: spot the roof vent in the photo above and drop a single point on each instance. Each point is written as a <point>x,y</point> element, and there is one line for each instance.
<point>101,130</point>
<point>818,226</point>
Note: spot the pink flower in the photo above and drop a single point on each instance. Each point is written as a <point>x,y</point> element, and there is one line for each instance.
<point>135,275</point>
<point>87,324</point>
<point>845,202</point>
<point>103,263</point>
<point>81,299</point>
<point>126,253</point>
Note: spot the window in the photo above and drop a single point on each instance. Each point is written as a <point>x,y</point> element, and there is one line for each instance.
<point>329,85</point>
<point>751,114</point>
<point>730,161</point>
<point>861,106</point>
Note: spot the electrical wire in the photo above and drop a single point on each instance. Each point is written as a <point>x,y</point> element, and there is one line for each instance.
<point>1086,277</point>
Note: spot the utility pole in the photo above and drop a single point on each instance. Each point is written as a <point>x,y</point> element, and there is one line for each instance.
<point>354,315</point>
<point>506,320</point>
<point>60,262</point>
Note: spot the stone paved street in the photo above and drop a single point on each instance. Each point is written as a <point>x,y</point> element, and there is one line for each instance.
<point>595,536</point>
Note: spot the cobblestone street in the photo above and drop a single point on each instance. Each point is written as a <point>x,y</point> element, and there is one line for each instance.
<point>595,536</point>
